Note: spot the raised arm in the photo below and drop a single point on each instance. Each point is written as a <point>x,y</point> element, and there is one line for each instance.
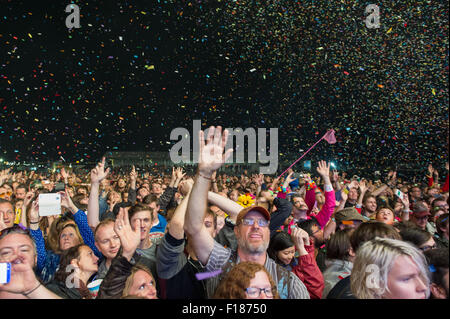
<point>330,200</point>
<point>211,158</point>
<point>176,224</point>
<point>97,175</point>
<point>227,205</point>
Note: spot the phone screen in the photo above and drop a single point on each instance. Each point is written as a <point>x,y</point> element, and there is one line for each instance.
<point>5,273</point>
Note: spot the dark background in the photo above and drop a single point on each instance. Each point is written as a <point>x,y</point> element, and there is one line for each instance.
<point>82,93</point>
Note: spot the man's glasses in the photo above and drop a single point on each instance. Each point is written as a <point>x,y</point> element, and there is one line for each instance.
<point>250,222</point>
<point>254,292</point>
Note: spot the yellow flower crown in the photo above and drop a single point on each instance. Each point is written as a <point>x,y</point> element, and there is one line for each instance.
<point>246,200</point>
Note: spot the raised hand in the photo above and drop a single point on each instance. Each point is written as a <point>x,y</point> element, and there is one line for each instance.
<point>179,173</point>
<point>129,238</point>
<point>34,211</point>
<point>211,156</point>
<point>289,178</point>
<point>186,186</point>
<point>324,169</point>
<point>300,239</point>
<point>64,174</point>
<point>66,202</point>
<point>133,174</point>
<point>99,173</point>
<point>28,197</point>
<point>430,169</point>
<point>363,186</point>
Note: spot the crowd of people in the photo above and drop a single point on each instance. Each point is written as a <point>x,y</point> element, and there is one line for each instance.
<point>210,235</point>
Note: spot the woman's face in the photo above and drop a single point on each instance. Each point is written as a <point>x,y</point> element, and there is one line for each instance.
<point>405,281</point>
<point>143,285</point>
<point>286,255</point>
<point>68,238</point>
<point>260,281</point>
<point>87,262</point>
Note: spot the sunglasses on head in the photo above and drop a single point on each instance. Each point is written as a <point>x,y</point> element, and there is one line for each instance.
<point>15,229</point>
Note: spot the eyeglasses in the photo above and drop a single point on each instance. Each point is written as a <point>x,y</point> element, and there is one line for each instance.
<point>250,222</point>
<point>254,292</point>
<point>426,248</point>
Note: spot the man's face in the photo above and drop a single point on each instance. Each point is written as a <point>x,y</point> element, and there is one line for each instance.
<point>217,210</point>
<point>7,211</point>
<point>420,221</point>
<point>17,248</point>
<point>20,193</point>
<point>317,233</point>
<point>142,193</point>
<point>300,204</point>
<point>156,188</point>
<point>209,224</point>
<point>385,216</point>
<point>5,193</point>
<point>416,193</point>
<point>353,194</point>
<point>107,241</point>
<point>144,222</point>
<point>121,183</point>
<point>253,239</point>
<point>155,209</point>
<point>370,205</point>
<point>442,205</point>
<point>433,191</point>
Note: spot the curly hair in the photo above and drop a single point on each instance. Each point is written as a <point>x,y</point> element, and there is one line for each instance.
<point>238,279</point>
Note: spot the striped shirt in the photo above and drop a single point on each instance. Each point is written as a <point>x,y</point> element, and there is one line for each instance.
<point>295,289</point>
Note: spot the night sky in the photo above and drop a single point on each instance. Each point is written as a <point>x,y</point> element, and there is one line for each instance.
<point>136,70</point>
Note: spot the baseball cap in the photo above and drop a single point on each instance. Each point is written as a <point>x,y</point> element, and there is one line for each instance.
<point>420,210</point>
<point>349,213</point>
<point>249,209</point>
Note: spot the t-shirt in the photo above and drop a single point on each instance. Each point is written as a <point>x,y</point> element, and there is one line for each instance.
<point>295,289</point>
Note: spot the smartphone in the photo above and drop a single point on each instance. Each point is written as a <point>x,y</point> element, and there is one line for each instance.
<point>60,187</point>
<point>49,204</point>
<point>400,194</point>
<point>5,273</point>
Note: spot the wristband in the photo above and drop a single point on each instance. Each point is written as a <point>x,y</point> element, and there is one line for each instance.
<point>208,178</point>
<point>27,293</point>
<point>33,223</point>
<point>345,190</point>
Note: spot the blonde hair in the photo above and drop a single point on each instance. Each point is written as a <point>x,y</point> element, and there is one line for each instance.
<point>129,281</point>
<point>381,253</point>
